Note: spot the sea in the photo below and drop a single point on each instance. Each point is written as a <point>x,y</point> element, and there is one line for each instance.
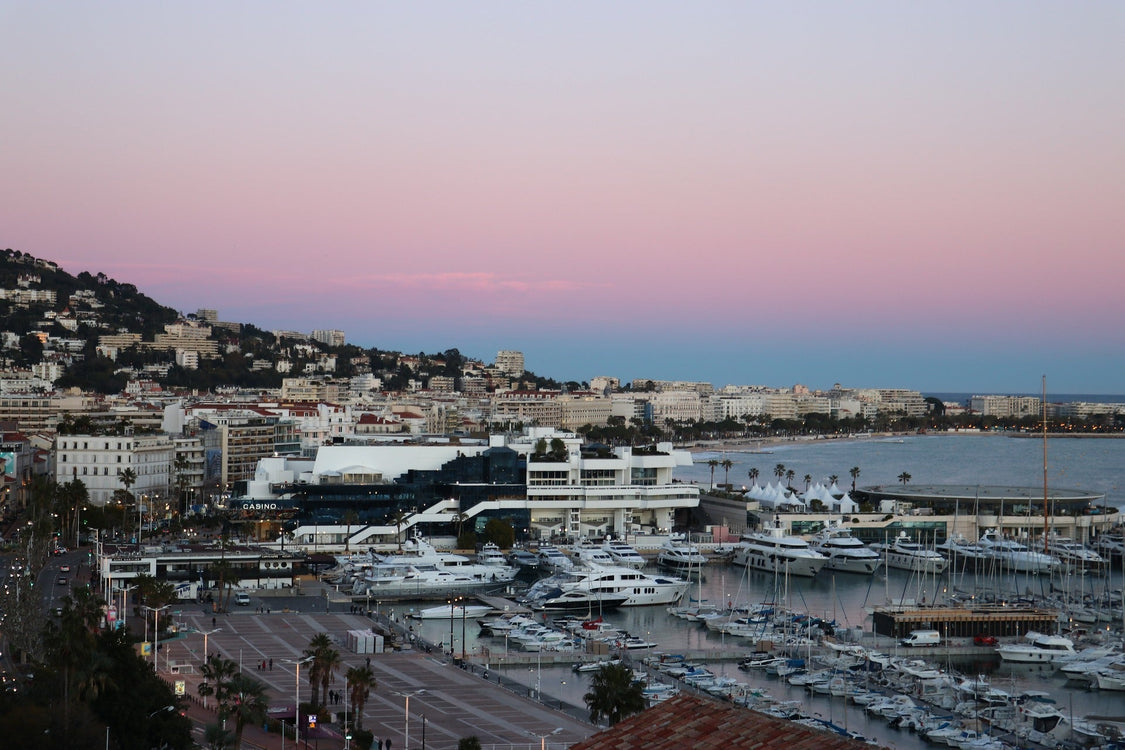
<point>1095,465</point>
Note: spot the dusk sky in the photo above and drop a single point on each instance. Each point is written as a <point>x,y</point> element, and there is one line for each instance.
<point>880,194</point>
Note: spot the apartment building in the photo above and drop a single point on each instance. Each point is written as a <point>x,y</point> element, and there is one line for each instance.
<point>99,460</point>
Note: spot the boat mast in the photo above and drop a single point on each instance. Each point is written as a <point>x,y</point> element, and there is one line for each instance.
<point>1046,541</point>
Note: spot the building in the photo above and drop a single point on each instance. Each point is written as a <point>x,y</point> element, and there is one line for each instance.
<point>99,460</point>
<point>510,363</point>
<point>330,337</point>
<point>1006,406</point>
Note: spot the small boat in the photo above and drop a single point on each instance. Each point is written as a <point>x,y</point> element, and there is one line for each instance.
<point>456,611</point>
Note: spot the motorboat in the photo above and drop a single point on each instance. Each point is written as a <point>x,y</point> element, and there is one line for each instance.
<point>906,554</point>
<point>521,558</point>
<point>772,550</point>
<point>552,559</point>
<point>678,555</point>
<point>575,600</point>
<point>1075,555</point>
<point>1014,556</point>
<point>1038,648</point>
<point>456,612</point>
<point>588,553</point>
<point>490,554</point>
<point>640,588</point>
<point>845,553</point>
<point>422,570</point>
<point>962,551</point>
<point>623,554</point>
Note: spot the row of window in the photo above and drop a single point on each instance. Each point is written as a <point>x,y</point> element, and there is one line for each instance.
<point>86,445</point>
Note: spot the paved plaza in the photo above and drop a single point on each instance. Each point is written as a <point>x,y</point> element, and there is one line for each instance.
<point>449,701</point>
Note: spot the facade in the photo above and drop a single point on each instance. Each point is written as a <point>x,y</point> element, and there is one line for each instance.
<point>99,460</point>
<point>510,363</point>
<point>1006,406</point>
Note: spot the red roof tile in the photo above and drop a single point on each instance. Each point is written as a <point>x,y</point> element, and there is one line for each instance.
<point>689,722</point>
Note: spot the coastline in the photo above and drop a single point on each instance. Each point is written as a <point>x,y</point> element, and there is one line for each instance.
<point>762,445</point>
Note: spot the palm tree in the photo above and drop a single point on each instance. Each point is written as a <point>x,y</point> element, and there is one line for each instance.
<point>400,518</point>
<point>726,463</point>
<point>318,647</point>
<point>808,481</point>
<point>833,478</point>
<point>128,478</point>
<point>779,471</point>
<point>855,475</point>
<point>789,474</point>
<point>713,463</point>
<point>361,681</point>
<point>904,477</point>
<point>753,474</point>
<point>217,738</point>
<point>350,517</point>
<point>329,664</point>
<point>218,674</point>
<point>614,694</point>
<point>249,704</point>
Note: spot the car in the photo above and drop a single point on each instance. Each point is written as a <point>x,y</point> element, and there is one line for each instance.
<point>64,569</point>
<point>62,580</point>
<point>242,598</point>
<point>984,640</point>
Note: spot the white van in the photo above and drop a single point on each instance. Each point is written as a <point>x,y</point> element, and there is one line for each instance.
<point>242,599</point>
<point>922,638</point>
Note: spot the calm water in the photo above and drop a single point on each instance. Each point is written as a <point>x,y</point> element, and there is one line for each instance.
<point>1085,464</point>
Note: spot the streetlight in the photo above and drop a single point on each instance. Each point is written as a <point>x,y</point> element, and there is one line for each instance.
<point>155,630</point>
<point>161,710</point>
<point>206,653</point>
<point>543,737</point>
<point>406,733</point>
<point>297,707</point>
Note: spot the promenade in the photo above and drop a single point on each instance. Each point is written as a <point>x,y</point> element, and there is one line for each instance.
<point>448,700</point>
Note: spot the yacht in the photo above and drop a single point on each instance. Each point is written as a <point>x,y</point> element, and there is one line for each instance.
<point>454,611</point>
<point>587,553</point>
<point>421,569</point>
<point>490,554</point>
<point>521,558</point>
<point>623,554</point>
<point>772,550</point>
<point>1014,556</point>
<point>678,555</point>
<point>906,554</point>
<point>552,559</point>
<point>639,588</point>
<point>845,553</point>
<point>1075,555</point>
<point>1038,648</point>
<point>575,600</point>
<point>962,551</point>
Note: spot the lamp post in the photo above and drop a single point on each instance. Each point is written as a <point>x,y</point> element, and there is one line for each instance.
<point>296,706</point>
<point>406,726</point>
<point>463,608</point>
<point>124,602</point>
<point>543,737</point>
<point>155,630</point>
<point>206,653</point>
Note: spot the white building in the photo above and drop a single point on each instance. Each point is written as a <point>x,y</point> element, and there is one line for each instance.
<point>98,461</point>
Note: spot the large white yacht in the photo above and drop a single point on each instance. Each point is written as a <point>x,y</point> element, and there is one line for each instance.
<point>906,554</point>
<point>421,569</point>
<point>1014,556</point>
<point>623,554</point>
<point>772,550</point>
<point>640,588</point>
<point>845,553</point>
<point>1038,648</point>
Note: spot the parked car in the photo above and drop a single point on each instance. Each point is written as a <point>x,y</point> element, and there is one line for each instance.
<point>984,640</point>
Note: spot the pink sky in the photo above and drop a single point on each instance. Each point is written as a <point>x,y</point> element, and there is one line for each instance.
<point>894,186</point>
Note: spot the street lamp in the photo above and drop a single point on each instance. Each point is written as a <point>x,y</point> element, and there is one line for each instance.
<point>206,653</point>
<point>406,733</point>
<point>543,737</point>
<point>297,706</point>
<point>155,630</point>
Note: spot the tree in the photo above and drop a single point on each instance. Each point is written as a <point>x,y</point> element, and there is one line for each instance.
<point>904,477</point>
<point>500,532</point>
<point>614,694</point>
<point>714,464</point>
<point>400,518</point>
<point>833,478</point>
<point>469,743</point>
<point>218,679</point>
<point>779,471</point>
<point>350,517</point>
<point>808,481</point>
<point>854,471</point>
<point>789,475</point>
<point>319,649</point>
<point>726,463</point>
<point>753,474</point>
<point>248,705</point>
<point>128,478</point>
<point>180,466</point>
<point>361,681</point>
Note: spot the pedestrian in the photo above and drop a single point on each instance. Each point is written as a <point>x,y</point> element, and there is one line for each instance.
<point>212,622</point>
<point>271,664</point>
<point>369,661</point>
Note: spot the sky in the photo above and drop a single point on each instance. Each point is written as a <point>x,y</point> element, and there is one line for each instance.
<point>878,194</point>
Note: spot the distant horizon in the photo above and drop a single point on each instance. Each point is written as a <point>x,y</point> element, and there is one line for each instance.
<point>925,196</point>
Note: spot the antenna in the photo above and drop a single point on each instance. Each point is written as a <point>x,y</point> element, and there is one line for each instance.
<point>1046,520</point>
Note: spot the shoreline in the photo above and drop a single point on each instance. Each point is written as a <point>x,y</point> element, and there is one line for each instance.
<point>762,445</point>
